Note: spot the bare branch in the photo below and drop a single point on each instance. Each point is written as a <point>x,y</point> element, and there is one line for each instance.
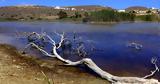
<point>81,51</point>
<point>153,61</point>
<point>62,39</point>
<point>43,51</point>
<point>88,62</point>
<point>51,41</point>
<point>135,45</point>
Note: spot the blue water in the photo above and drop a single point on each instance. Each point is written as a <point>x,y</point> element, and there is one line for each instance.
<point>110,41</point>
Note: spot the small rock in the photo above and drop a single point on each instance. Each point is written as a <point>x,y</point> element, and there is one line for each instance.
<point>59,71</point>
<point>43,64</point>
<point>18,67</point>
<point>37,79</point>
<point>23,52</point>
<point>14,60</point>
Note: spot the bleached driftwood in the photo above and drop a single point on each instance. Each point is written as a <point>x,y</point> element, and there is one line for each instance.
<point>88,62</point>
<point>135,45</point>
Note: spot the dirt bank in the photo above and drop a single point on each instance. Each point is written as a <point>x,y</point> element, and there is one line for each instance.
<point>16,68</point>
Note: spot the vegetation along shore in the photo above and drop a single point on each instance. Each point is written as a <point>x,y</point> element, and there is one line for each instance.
<point>90,13</point>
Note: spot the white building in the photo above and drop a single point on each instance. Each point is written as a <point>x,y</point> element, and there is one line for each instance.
<point>73,8</point>
<point>57,7</point>
<point>153,8</point>
<point>158,11</point>
<point>121,11</point>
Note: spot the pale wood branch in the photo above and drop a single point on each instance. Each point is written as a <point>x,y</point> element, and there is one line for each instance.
<point>104,74</point>
<point>153,61</point>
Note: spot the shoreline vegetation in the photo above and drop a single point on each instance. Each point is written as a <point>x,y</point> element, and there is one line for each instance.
<point>78,21</point>
<point>100,15</point>
<point>107,16</point>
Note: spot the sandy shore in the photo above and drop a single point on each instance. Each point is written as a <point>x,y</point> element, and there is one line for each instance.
<point>17,68</point>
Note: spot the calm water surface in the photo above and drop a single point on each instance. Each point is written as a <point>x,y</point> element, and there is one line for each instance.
<point>112,55</point>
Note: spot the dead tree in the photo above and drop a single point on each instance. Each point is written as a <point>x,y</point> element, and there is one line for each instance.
<point>88,62</point>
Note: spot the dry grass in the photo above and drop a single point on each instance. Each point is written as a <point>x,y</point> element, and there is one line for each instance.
<point>16,68</point>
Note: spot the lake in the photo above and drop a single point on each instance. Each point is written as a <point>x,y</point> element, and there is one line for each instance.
<point>110,41</point>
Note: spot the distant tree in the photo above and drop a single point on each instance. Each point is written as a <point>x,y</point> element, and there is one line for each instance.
<point>62,14</point>
<point>31,17</point>
<point>78,15</point>
<point>133,12</point>
<point>148,11</point>
<point>86,14</point>
<point>50,14</point>
<point>86,17</point>
<point>39,18</point>
<point>148,18</point>
<point>21,18</point>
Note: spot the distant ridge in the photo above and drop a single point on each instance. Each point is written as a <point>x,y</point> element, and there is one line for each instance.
<point>26,6</point>
<point>136,8</point>
<point>80,7</point>
<point>89,7</point>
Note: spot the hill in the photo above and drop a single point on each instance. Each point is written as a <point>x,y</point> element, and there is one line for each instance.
<point>36,12</point>
<point>136,8</point>
<point>26,12</point>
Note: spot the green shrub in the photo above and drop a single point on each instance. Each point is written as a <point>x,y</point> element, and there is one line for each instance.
<point>147,17</point>
<point>111,15</point>
<point>62,14</point>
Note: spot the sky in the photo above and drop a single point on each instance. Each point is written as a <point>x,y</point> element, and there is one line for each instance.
<point>118,4</point>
